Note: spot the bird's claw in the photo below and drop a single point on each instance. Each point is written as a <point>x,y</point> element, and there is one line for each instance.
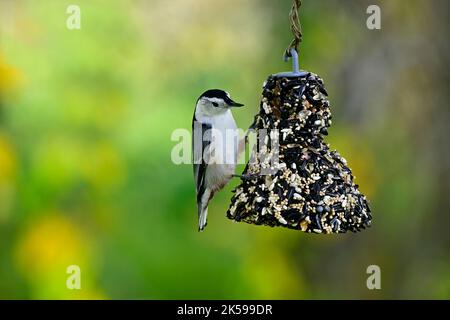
<point>246,176</point>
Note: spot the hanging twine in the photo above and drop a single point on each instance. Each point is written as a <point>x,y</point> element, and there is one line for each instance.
<point>295,27</point>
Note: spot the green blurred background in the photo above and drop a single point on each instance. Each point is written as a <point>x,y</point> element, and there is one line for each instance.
<point>86,176</point>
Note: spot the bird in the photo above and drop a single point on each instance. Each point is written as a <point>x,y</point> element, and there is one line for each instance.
<point>215,150</point>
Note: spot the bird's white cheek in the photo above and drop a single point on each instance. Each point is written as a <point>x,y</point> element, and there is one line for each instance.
<point>204,112</point>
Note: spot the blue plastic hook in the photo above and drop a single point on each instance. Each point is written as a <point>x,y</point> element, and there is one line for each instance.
<point>295,67</point>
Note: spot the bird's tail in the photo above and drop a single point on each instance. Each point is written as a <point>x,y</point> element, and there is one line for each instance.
<point>202,215</point>
<point>202,207</point>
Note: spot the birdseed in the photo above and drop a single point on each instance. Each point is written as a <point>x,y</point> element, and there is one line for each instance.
<point>313,189</point>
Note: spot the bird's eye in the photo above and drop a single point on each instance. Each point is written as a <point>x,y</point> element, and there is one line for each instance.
<point>215,104</point>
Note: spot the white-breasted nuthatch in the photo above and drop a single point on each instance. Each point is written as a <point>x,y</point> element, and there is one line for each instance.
<point>215,147</point>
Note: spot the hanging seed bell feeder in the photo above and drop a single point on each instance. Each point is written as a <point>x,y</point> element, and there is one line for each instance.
<point>310,187</point>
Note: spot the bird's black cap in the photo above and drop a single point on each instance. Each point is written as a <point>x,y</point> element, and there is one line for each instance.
<point>220,94</point>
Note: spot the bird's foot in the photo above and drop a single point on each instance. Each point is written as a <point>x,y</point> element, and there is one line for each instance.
<point>246,176</point>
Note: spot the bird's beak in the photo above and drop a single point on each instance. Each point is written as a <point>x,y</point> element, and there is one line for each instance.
<point>235,104</point>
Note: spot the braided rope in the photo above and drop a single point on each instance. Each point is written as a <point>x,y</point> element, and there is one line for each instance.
<point>295,27</point>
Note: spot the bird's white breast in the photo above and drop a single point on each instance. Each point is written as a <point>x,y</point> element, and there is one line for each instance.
<point>223,150</point>
<point>225,138</point>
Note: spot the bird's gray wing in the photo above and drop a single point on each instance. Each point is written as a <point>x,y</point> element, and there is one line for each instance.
<point>200,141</point>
